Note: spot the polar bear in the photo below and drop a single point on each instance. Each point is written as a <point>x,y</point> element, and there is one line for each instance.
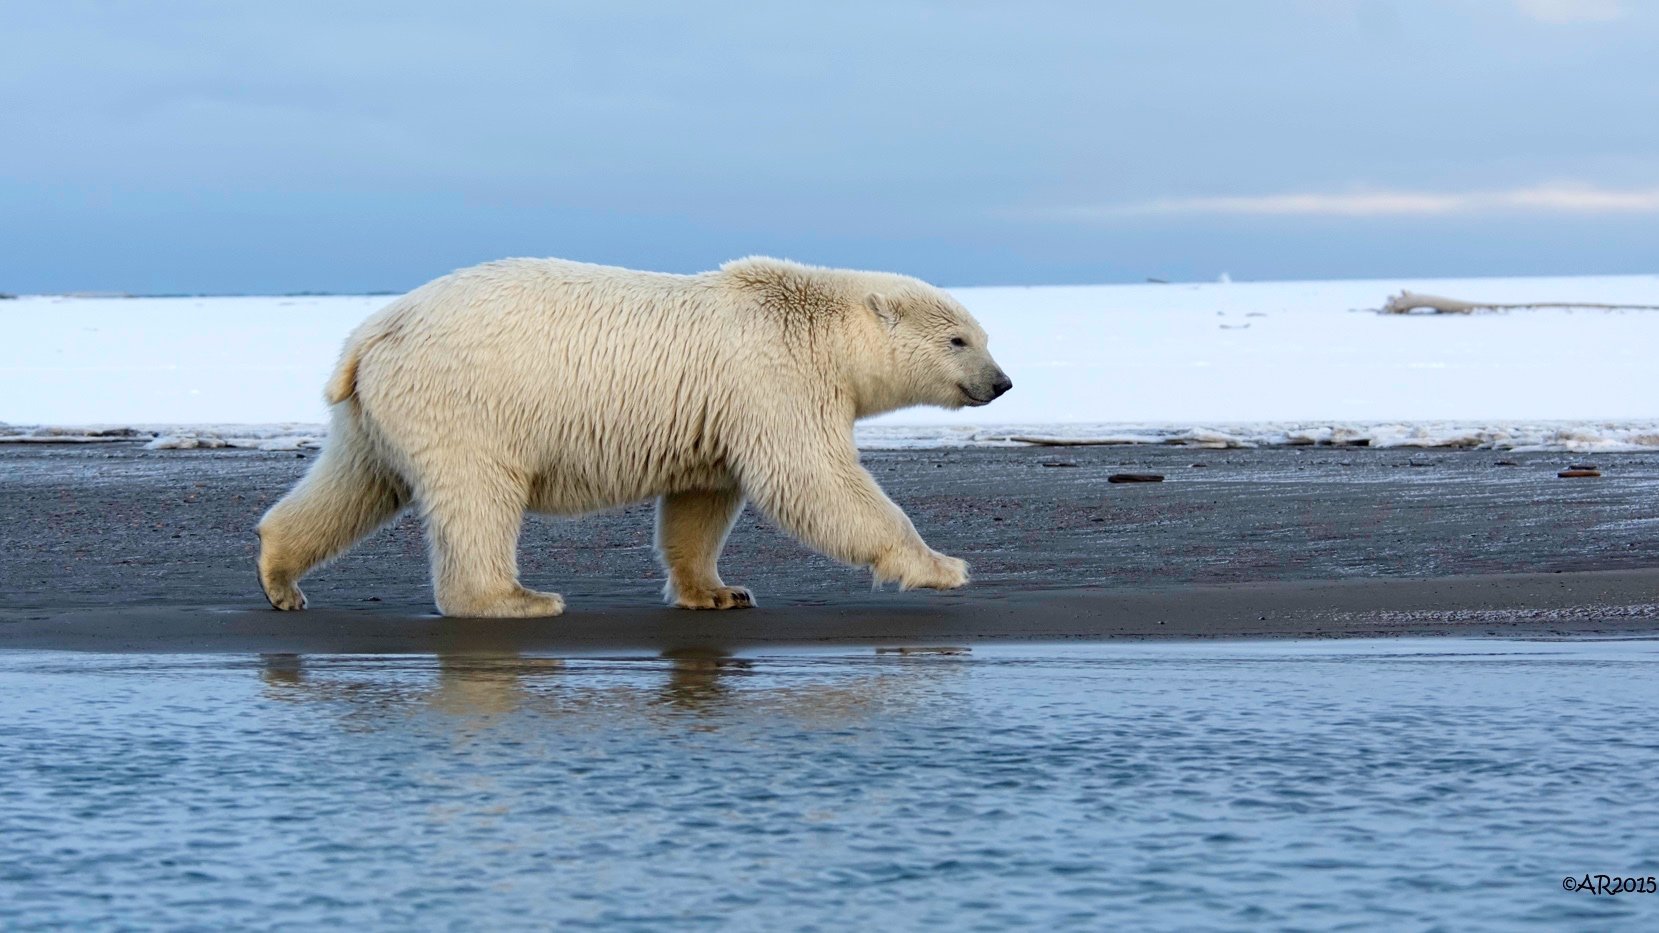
<point>566,388</point>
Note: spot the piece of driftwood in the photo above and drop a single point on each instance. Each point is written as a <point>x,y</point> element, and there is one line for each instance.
<point>1073,441</point>
<point>1134,478</point>
<point>1407,302</point>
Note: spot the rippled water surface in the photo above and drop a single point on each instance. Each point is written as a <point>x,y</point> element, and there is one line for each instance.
<point>1162,786</point>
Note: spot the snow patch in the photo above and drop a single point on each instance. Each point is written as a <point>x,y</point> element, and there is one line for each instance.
<point>1134,364</point>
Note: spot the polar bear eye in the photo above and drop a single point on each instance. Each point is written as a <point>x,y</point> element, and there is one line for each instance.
<point>958,342</point>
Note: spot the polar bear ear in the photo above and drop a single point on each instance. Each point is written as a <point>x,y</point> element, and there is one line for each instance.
<point>883,308</point>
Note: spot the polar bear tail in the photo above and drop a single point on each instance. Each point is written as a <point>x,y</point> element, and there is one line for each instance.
<point>343,384</point>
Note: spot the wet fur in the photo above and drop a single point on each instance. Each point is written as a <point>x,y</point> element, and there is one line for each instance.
<point>566,388</point>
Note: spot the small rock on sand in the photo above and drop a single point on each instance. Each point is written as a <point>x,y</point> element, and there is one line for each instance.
<point>1582,466</point>
<point>1573,474</point>
<point>1134,478</point>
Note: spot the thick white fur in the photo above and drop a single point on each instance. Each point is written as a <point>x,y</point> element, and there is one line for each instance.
<point>566,388</point>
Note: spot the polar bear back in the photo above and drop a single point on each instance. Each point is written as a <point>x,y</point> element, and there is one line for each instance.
<point>602,385</point>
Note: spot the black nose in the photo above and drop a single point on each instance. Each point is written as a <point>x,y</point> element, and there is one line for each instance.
<point>1003,384</point>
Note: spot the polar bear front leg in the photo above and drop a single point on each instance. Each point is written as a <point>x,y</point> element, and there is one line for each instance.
<point>819,492</point>
<point>472,528</point>
<point>691,529</point>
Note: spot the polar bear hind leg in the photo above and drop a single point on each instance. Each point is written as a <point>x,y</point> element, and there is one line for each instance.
<point>473,518</point>
<point>348,493</point>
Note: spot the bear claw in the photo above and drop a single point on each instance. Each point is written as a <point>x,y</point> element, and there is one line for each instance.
<point>285,598</point>
<point>723,597</point>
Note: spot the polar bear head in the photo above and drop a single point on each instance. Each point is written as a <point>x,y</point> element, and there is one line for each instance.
<point>895,340</point>
<point>941,353</point>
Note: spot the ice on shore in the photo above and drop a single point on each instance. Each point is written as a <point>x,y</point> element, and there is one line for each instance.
<point>1214,364</point>
<point>173,436</point>
<point>1577,437</point>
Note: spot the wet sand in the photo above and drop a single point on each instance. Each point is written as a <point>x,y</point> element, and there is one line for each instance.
<point>114,548</point>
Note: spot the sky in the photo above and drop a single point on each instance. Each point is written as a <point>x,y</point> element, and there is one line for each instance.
<point>206,147</point>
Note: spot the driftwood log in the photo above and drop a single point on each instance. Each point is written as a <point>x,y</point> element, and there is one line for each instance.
<point>1407,302</point>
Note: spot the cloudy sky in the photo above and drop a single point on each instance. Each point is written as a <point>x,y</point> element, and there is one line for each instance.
<point>276,147</point>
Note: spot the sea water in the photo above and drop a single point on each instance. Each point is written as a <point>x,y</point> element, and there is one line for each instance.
<point>1193,785</point>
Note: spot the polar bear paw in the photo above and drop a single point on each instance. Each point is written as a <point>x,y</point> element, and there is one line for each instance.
<point>719,597</point>
<point>928,570</point>
<point>517,604</point>
<point>285,597</point>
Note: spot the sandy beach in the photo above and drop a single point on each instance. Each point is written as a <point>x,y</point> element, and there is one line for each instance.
<point>116,548</point>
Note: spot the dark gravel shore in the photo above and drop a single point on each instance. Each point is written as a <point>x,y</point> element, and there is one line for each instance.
<point>154,550</point>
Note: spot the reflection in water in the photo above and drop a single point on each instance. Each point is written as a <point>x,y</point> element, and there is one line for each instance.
<point>479,687</point>
<point>700,681</point>
<point>486,687</point>
<point>281,669</point>
<point>697,677</point>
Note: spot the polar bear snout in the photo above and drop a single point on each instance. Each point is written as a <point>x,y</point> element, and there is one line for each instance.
<point>987,390</point>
